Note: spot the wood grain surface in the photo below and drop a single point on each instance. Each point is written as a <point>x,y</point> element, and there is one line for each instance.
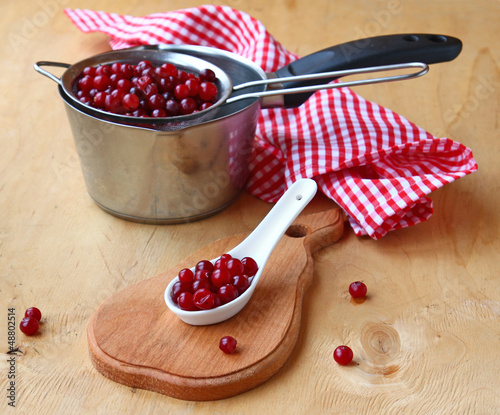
<point>425,341</point>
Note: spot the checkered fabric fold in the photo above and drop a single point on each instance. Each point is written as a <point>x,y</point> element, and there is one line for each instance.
<point>376,165</point>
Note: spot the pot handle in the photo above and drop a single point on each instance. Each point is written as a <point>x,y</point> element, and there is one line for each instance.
<point>375,51</point>
<point>38,68</point>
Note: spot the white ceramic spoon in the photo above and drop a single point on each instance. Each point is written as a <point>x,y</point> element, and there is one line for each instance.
<point>258,245</point>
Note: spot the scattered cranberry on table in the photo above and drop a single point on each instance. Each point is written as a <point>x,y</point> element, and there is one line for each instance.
<point>343,355</point>
<point>357,289</point>
<point>146,90</point>
<point>29,325</point>
<point>228,344</point>
<point>213,285</point>
<point>33,312</point>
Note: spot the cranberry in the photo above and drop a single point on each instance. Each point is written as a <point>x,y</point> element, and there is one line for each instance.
<point>180,287</point>
<point>182,76</point>
<point>193,87</point>
<point>220,277</point>
<point>33,312</point>
<point>156,102</point>
<point>150,90</point>
<point>213,284</point>
<point>127,70</point>
<point>250,265</point>
<point>343,355</point>
<point>241,283</point>
<point>181,91</point>
<point>204,264</point>
<point>228,344</point>
<point>228,293</point>
<point>124,84</point>
<point>188,106</point>
<point>235,267</point>
<point>165,85</point>
<point>172,108</point>
<point>86,83</point>
<point>205,105</point>
<point>207,75</point>
<point>197,284</point>
<point>186,302</point>
<point>100,99</point>
<point>89,70</point>
<point>208,91</point>
<point>158,113</point>
<point>103,70</point>
<point>171,69</point>
<point>29,325</point>
<point>204,299</point>
<point>357,289</point>
<point>130,102</point>
<point>186,275</point>
<point>143,81</point>
<point>114,78</point>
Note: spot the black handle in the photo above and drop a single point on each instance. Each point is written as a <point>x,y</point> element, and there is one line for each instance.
<point>375,51</point>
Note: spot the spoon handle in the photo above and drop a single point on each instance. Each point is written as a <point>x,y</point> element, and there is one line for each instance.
<point>261,242</point>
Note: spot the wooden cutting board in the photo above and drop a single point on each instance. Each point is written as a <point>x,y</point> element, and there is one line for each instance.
<point>134,339</point>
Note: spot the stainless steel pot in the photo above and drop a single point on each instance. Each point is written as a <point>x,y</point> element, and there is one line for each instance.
<point>140,173</point>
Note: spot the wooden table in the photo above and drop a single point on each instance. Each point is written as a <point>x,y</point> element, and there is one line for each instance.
<point>427,340</point>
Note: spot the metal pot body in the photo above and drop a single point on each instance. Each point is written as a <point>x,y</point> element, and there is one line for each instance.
<point>163,177</point>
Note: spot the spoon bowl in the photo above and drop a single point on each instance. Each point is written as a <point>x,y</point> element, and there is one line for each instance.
<point>258,245</point>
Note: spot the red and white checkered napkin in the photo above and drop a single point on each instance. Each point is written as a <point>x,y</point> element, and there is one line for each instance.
<point>375,164</point>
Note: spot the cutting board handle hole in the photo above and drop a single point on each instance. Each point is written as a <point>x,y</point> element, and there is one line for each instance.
<point>297,231</point>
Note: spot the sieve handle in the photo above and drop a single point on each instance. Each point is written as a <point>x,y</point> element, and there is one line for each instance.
<point>419,69</point>
<point>380,50</point>
<point>38,68</point>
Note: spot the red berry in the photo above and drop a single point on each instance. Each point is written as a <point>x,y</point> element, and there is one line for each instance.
<point>228,293</point>
<point>89,70</point>
<point>130,102</point>
<point>181,91</point>
<point>193,87</point>
<point>228,344</point>
<point>188,106</point>
<point>103,70</point>
<point>182,76</point>
<point>33,312</point>
<point>186,275</point>
<point>100,99</point>
<point>185,301</point>
<point>171,69</point>
<point>204,299</point>
<point>180,287</point>
<point>221,277</point>
<point>86,83</point>
<point>158,113</point>
<point>207,75</point>
<point>208,91</point>
<point>205,106</point>
<point>241,283</point>
<point>343,355</point>
<point>357,289</point>
<point>202,274</point>
<point>29,325</point>
<point>250,265</point>
<point>235,267</point>
<point>198,284</point>
<point>204,264</point>
<point>172,108</point>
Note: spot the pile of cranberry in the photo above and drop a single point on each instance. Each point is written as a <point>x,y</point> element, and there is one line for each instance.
<point>213,285</point>
<point>146,90</point>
